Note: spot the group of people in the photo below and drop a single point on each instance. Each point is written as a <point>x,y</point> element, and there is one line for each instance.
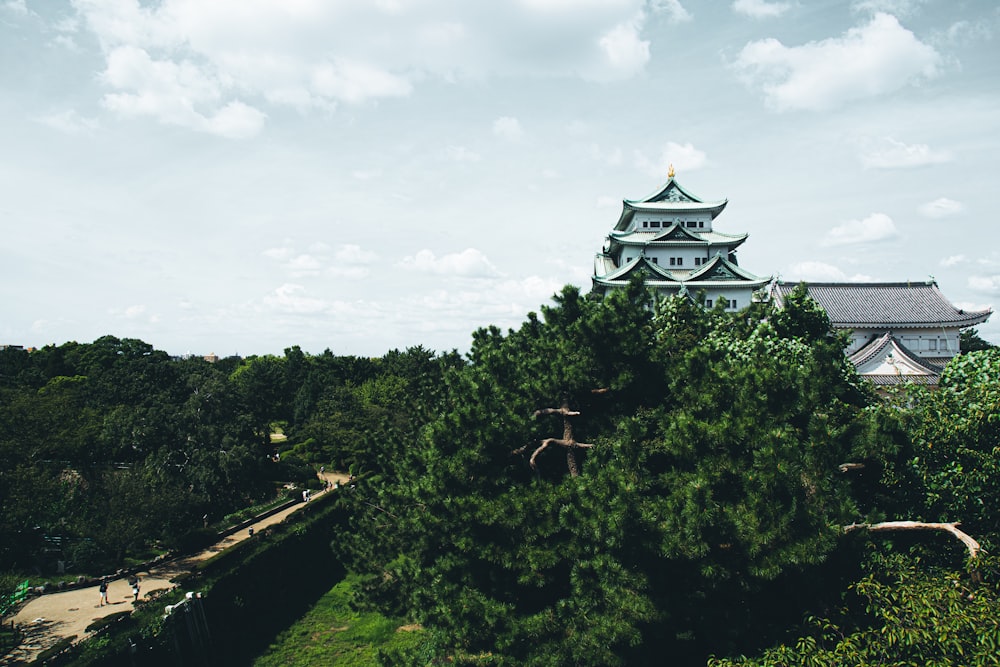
<point>133,582</point>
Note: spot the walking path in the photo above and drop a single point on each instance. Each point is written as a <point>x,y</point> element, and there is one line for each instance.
<point>49,618</point>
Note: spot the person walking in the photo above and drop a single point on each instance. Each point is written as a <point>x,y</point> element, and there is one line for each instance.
<point>134,583</point>
<point>104,591</point>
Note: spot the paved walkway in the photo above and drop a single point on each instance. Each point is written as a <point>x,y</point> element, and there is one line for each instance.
<point>48,618</point>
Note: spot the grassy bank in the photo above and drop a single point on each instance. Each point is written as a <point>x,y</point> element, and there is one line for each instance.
<point>333,633</point>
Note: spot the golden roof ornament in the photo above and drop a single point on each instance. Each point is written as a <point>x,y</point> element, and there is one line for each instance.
<point>670,171</point>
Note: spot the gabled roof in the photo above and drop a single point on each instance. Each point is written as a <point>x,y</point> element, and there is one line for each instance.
<point>650,271</point>
<point>665,238</point>
<point>671,197</point>
<point>671,191</point>
<point>717,273</point>
<point>886,360</point>
<point>885,305</point>
<point>720,269</point>
<point>677,232</point>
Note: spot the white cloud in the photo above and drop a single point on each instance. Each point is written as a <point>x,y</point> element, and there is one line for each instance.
<point>817,271</point>
<point>673,9</point>
<point>683,157</point>
<point>988,284</point>
<point>70,122</point>
<point>357,82</point>
<point>877,58</point>
<point>354,254</point>
<point>279,254</point>
<point>173,93</point>
<point>304,265</point>
<point>349,261</point>
<point>968,32</point>
<point>941,208</point>
<point>469,263</point>
<point>235,121</point>
<point>760,8</point>
<point>308,54</point>
<point>876,227</point>
<point>895,7</point>
<point>821,272</point>
<point>626,52</point>
<point>16,7</point>
<point>889,153</point>
<point>953,260</point>
<point>508,128</point>
<point>608,202</point>
<point>291,298</point>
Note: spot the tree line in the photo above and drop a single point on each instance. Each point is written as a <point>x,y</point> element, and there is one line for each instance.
<point>614,481</point>
<point>112,448</point>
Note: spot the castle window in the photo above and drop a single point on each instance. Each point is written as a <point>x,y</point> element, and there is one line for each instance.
<point>701,223</point>
<point>691,223</point>
<point>654,223</point>
<point>680,261</point>
<point>673,261</point>
<point>645,223</point>
<point>708,303</point>
<point>656,260</point>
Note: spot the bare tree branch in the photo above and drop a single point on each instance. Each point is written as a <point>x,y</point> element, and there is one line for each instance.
<point>566,412</point>
<point>952,528</point>
<point>568,441</point>
<point>845,467</point>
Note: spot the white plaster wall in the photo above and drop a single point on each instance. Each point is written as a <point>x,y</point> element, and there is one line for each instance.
<point>916,340</point>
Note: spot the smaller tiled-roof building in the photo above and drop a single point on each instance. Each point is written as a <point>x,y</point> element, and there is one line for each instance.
<point>900,331</point>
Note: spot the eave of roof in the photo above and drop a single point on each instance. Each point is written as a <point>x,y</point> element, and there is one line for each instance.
<point>646,237</point>
<point>719,262</point>
<point>887,345</point>
<point>622,274</point>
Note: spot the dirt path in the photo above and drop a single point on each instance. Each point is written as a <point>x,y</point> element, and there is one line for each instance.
<point>48,618</point>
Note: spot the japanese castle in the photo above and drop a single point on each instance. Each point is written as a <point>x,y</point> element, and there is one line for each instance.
<point>669,241</point>
<point>900,331</point>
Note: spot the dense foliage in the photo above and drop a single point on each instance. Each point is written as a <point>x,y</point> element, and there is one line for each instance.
<point>109,448</point>
<point>695,504</point>
<point>614,481</point>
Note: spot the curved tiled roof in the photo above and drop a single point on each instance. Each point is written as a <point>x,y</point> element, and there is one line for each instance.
<point>719,272</point>
<point>885,305</point>
<point>652,272</point>
<point>669,197</point>
<point>646,237</point>
<point>886,380</point>
<point>887,344</point>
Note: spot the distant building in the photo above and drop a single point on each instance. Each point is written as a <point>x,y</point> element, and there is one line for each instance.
<point>900,331</point>
<point>669,240</point>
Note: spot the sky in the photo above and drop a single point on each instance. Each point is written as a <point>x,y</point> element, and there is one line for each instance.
<point>241,176</point>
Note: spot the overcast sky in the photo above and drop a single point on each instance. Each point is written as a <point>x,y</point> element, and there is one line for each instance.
<point>240,176</point>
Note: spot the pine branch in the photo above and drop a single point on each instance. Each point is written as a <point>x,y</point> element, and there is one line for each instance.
<point>970,544</point>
